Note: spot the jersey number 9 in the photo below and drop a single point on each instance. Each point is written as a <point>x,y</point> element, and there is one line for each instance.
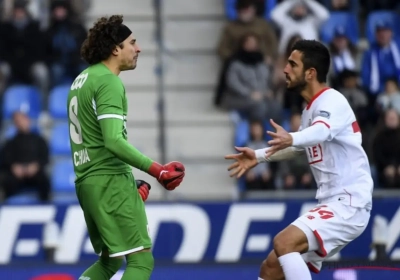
<point>75,130</point>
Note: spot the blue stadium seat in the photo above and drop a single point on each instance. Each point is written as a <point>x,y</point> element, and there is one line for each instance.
<point>63,176</point>
<point>230,9</point>
<point>347,20</point>
<point>59,140</point>
<point>242,131</point>
<point>378,16</point>
<point>57,100</point>
<point>241,184</point>
<point>23,198</point>
<point>22,98</point>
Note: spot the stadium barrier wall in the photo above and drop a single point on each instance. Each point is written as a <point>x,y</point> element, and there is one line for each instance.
<point>186,236</point>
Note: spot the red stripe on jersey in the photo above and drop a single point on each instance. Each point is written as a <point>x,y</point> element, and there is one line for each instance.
<point>356,127</point>
<point>327,125</point>
<point>316,96</point>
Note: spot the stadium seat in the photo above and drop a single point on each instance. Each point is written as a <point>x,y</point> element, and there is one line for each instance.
<point>59,140</point>
<point>22,98</point>
<point>23,198</point>
<point>347,20</point>
<point>230,9</point>
<point>63,176</point>
<point>242,131</point>
<point>57,100</point>
<point>375,17</point>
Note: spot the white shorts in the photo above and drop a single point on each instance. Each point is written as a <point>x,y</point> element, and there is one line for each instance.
<point>329,228</point>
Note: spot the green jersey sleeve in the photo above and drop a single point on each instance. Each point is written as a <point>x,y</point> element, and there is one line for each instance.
<point>110,103</point>
<point>117,144</point>
<point>109,98</point>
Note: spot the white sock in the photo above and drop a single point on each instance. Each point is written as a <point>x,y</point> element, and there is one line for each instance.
<point>260,278</point>
<point>294,267</point>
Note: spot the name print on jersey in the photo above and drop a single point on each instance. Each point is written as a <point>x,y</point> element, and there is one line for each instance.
<point>314,154</point>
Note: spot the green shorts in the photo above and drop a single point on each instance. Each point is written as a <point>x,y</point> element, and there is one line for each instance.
<point>114,213</point>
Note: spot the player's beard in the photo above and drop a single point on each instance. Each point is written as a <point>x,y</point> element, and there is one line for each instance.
<point>298,86</point>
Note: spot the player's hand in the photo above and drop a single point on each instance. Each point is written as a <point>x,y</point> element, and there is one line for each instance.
<point>281,139</point>
<point>244,160</point>
<point>170,175</point>
<point>143,189</point>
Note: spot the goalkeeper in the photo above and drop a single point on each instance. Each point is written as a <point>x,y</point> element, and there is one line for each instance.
<point>111,199</point>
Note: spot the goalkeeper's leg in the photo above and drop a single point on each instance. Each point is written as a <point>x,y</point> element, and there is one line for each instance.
<point>139,266</point>
<point>103,269</point>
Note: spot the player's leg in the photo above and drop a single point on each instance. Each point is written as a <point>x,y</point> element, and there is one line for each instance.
<point>124,227</point>
<point>105,267</point>
<point>322,232</point>
<point>139,265</point>
<point>271,269</point>
<point>285,261</point>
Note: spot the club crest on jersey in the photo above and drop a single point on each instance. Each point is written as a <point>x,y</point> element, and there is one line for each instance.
<point>324,114</point>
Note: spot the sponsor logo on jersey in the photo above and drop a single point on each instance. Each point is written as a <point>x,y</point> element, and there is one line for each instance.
<point>324,114</point>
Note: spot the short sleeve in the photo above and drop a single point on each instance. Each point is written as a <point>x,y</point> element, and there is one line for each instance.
<point>335,113</point>
<point>109,96</point>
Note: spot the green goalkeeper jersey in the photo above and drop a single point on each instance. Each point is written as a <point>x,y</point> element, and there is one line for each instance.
<point>97,94</point>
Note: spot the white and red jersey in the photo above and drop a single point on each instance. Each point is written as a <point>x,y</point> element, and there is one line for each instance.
<point>340,165</point>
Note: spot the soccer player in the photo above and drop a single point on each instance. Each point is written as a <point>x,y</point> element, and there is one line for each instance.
<point>103,159</point>
<point>331,138</point>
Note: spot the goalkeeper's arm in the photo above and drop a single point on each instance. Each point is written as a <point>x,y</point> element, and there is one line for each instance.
<point>169,175</point>
<point>114,141</point>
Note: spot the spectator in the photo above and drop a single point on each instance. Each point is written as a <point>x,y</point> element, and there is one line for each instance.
<point>64,39</point>
<point>390,98</point>
<point>386,151</point>
<point>247,22</point>
<point>342,5</point>
<point>296,173</point>
<point>343,52</point>
<point>298,17</point>
<point>258,178</point>
<point>21,50</point>
<point>348,81</point>
<point>25,157</point>
<point>374,5</point>
<point>248,81</point>
<point>381,61</point>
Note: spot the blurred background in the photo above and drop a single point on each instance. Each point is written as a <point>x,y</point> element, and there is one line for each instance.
<point>209,77</point>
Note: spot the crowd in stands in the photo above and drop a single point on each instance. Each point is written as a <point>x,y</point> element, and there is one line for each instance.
<point>362,37</point>
<point>39,58</point>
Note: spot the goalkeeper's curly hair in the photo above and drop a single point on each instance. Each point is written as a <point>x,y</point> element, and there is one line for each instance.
<point>101,39</point>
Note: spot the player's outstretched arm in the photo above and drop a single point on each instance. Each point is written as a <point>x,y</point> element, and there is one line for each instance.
<point>311,136</point>
<point>283,142</point>
<point>248,158</point>
<point>285,154</point>
<point>244,160</point>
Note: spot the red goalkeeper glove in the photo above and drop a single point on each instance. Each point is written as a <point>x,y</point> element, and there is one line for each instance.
<point>170,175</point>
<point>143,189</point>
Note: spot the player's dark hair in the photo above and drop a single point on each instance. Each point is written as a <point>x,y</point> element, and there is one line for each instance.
<point>315,55</point>
<point>102,39</point>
